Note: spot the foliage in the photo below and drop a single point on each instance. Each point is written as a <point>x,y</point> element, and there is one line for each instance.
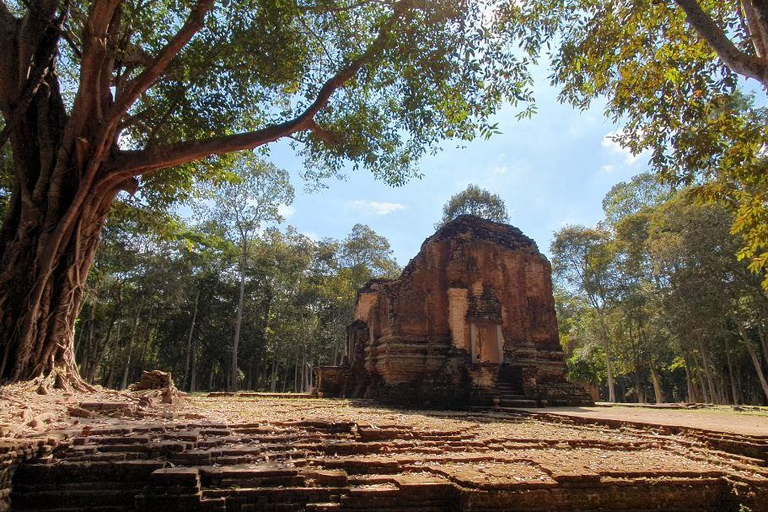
<point>675,83</point>
<point>474,201</point>
<point>298,300</point>
<point>657,292</point>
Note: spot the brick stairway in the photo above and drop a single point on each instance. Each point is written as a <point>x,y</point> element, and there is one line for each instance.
<point>508,396</point>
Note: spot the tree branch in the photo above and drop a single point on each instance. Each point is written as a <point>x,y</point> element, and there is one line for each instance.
<point>160,157</point>
<point>6,16</point>
<point>321,133</point>
<point>152,72</point>
<point>735,59</point>
<point>44,62</point>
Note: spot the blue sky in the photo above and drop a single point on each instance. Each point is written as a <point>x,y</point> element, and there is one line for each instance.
<point>551,170</point>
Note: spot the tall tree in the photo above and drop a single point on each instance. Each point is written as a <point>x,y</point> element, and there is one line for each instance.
<point>674,73</point>
<point>112,95</point>
<point>583,258</point>
<point>474,201</point>
<point>241,207</point>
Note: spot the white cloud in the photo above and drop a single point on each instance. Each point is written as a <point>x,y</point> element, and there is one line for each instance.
<point>286,210</point>
<point>311,235</point>
<point>376,207</point>
<point>611,143</point>
<point>499,169</point>
<point>607,169</point>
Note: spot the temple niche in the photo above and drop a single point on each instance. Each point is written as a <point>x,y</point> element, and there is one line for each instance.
<point>471,320</point>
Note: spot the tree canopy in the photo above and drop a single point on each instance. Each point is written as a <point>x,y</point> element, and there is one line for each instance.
<point>474,201</point>
<point>672,74</point>
<point>654,298</point>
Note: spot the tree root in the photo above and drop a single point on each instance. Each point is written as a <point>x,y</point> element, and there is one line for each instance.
<point>63,378</point>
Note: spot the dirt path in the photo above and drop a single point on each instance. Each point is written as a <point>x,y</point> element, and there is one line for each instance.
<point>715,419</point>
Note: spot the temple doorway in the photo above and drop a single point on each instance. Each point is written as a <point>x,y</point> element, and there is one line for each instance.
<point>487,343</point>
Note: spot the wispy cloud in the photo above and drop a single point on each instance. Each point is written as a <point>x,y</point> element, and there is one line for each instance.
<point>376,207</point>
<point>607,169</point>
<point>286,210</point>
<point>609,141</point>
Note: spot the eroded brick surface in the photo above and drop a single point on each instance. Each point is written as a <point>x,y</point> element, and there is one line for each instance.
<point>471,320</point>
<point>320,455</point>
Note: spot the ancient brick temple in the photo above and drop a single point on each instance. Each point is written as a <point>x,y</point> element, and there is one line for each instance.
<point>471,320</point>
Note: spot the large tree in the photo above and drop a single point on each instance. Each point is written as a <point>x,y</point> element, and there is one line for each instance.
<point>241,208</point>
<point>117,95</point>
<point>677,75</point>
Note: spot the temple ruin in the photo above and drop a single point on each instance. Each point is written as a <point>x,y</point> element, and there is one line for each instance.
<point>470,321</point>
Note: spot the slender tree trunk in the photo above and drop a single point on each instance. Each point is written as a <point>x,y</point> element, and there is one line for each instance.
<point>189,338</point>
<point>273,383</point>
<point>126,370</point>
<point>657,391</point>
<point>753,356</point>
<point>708,373</point>
<point>734,389</point>
<point>285,382</point>
<point>296,371</point>
<point>238,323</point>
<point>193,374</point>
<point>102,347</point>
<point>608,365</point>
<point>689,382</point>
<point>758,368</point>
<point>609,374</point>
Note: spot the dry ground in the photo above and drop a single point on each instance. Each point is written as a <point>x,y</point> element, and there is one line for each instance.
<point>584,458</point>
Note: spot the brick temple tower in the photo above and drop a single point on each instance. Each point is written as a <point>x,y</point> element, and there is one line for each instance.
<point>470,320</point>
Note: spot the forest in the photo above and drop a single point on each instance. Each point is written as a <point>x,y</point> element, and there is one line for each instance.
<point>654,304</point>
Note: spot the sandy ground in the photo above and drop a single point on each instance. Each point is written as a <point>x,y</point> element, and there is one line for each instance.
<point>714,419</point>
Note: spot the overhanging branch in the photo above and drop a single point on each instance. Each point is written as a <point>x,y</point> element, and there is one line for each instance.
<point>45,60</point>
<point>140,162</point>
<point>731,56</point>
<point>155,69</point>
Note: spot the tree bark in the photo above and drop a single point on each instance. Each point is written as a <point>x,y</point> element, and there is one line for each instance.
<point>657,391</point>
<point>189,338</point>
<point>238,323</point>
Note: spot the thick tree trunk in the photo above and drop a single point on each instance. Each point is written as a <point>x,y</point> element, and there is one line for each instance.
<point>40,297</point>
<point>49,236</point>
